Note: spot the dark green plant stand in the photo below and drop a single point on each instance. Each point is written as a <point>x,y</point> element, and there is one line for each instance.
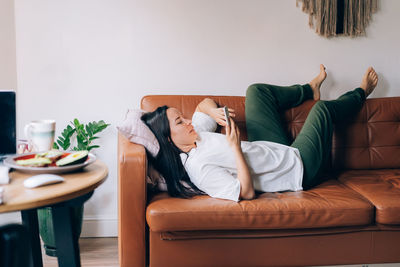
<point>46,226</point>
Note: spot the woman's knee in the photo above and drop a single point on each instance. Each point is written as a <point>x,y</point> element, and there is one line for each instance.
<point>257,89</point>
<point>253,89</point>
<point>321,105</point>
<point>321,109</point>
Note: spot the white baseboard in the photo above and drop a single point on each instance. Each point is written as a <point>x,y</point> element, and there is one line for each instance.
<point>92,226</point>
<point>99,227</point>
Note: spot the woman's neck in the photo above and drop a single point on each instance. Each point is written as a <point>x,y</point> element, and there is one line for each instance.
<point>186,148</point>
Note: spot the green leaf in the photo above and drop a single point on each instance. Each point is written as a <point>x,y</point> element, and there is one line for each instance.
<point>81,146</point>
<point>91,147</point>
<point>76,123</point>
<point>64,139</point>
<point>89,129</point>
<point>66,145</point>
<point>55,146</point>
<point>84,135</point>
<point>99,126</point>
<point>80,138</point>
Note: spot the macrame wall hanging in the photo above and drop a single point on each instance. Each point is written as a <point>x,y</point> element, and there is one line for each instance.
<point>339,17</point>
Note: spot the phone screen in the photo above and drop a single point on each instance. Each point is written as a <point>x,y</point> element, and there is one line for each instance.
<point>226,112</point>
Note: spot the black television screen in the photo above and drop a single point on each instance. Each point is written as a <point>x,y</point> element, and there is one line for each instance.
<point>7,123</point>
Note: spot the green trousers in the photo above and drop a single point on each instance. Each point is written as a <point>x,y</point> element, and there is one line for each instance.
<point>265,104</point>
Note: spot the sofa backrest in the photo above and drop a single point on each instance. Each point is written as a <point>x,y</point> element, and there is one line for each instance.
<point>368,140</point>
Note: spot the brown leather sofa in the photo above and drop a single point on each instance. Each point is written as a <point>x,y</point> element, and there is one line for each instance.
<point>351,218</point>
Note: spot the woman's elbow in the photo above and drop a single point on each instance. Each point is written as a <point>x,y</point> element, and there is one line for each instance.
<point>248,195</point>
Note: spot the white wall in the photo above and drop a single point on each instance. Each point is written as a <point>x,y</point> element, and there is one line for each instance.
<point>8,71</point>
<point>94,59</point>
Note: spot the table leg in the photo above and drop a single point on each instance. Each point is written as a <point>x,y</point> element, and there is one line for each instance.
<point>30,220</point>
<point>67,248</point>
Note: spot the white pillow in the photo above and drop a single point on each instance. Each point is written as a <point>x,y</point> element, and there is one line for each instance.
<point>138,132</point>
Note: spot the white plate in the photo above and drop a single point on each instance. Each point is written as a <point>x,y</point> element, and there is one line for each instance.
<point>10,162</point>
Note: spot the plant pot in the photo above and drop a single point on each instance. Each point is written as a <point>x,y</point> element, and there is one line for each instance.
<point>46,228</point>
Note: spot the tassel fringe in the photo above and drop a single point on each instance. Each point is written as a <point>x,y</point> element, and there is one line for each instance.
<point>323,16</point>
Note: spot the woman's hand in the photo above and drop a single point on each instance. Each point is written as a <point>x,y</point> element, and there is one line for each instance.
<point>243,172</point>
<point>210,107</point>
<point>233,135</point>
<point>218,115</point>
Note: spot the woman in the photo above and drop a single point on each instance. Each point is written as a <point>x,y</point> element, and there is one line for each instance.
<point>195,160</point>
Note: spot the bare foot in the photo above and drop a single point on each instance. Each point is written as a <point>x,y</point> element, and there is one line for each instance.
<point>317,81</point>
<point>369,81</point>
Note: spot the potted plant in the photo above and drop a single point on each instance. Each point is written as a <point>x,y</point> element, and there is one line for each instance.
<point>75,136</point>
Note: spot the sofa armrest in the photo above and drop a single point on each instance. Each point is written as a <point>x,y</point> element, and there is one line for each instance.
<point>132,168</point>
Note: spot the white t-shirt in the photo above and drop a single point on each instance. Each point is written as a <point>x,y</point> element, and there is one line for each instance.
<point>211,166</point>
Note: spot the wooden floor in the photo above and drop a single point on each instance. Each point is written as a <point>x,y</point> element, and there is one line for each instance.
<point>95,252</point>
<point>103,252</point>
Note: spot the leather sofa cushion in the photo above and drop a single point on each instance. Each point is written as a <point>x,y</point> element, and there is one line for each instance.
<point>381,188</point>
<point>330,204</point>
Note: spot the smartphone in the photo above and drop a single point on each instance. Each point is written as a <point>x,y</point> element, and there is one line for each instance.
<point>226,112</point>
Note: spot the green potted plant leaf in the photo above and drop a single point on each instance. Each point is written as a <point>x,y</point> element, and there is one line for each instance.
<point>83,135</point>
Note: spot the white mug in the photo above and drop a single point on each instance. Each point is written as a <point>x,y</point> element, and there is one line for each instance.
<point>40,134</point>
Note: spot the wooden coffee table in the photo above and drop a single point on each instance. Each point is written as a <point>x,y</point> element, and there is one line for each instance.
<point>75,190</point>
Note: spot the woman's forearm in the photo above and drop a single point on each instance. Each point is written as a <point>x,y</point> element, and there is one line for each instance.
<point>246,183</point>
<point>210,107</point>
<point>206,106</point>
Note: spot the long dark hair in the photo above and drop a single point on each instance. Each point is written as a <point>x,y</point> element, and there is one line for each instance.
<point>168,161</point>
